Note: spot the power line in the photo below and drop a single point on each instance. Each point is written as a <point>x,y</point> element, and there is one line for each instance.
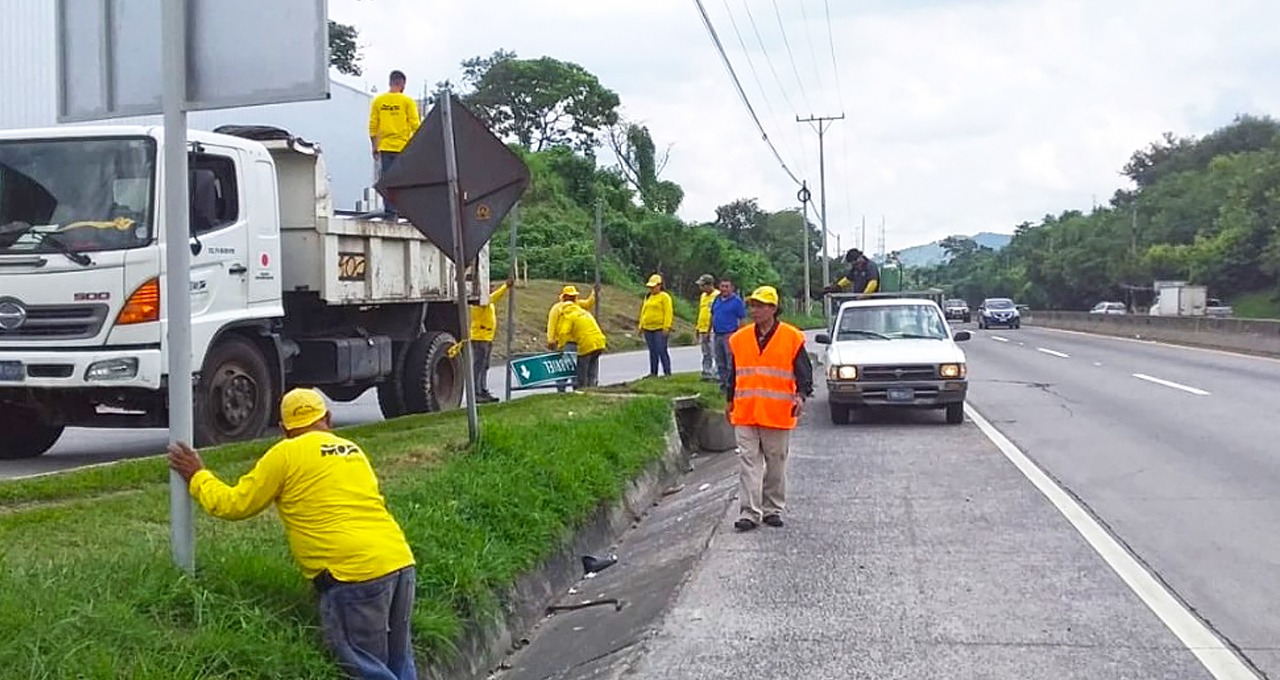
<point>711,30</point>
<point>813,53</point>
<point>795,69</point>
<point>835,63</point>
<point>844,138</point>
<point>759,40</point>
<point>756,75</point>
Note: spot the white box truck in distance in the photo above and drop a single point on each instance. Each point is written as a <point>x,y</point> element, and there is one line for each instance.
<point>284,291</point>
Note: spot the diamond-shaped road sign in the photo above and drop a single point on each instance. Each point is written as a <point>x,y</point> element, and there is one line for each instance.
<point>490,177</point>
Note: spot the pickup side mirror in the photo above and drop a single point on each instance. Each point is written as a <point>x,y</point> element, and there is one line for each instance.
<point>962,336</point>
<point>822,339</point>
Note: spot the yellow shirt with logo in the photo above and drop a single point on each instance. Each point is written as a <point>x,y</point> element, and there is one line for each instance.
<point>327,497</point>
<point>553,317</point>
<point>704,311</point>
<point>393,118</point>
<point>484,320</point>
<point>578,326</point>
<point>657,312</point>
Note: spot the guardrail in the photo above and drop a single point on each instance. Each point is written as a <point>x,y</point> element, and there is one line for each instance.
<point>1253,336</point>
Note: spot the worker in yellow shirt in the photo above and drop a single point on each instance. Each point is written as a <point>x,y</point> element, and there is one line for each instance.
<point>576,325</point>
<point>568,296</point>
<point>706,284</point>
<point>338,528</point>
<point>393,120</point>
<point>657,316</point>
<point>484,327</point>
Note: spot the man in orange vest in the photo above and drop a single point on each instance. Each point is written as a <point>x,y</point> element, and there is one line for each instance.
<point>770,376</point>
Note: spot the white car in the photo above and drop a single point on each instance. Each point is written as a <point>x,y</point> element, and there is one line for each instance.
<point>897,352</point>
<point>1110,308</point>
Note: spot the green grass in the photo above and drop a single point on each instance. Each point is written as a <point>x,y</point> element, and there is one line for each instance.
<point>677,385</point>
<point>1263,304</point>
<point>805,322</point>
<point>87,588</point>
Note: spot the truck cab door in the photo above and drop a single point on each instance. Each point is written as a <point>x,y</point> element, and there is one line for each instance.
<point>220,266</point>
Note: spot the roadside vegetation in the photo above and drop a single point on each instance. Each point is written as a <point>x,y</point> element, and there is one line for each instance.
<point>1203,210</point>
<point>87,588</point>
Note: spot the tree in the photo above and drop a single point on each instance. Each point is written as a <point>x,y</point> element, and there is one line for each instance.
<point>740,218</point>
<point>639,163</point>
<point>344,53</point>
<point>541,102</point>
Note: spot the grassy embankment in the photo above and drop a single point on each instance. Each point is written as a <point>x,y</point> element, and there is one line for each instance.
<point>1260,305</point>
<point>87,588</point>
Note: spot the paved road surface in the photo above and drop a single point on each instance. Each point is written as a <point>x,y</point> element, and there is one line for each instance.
<point>1177,450</point>
<point>913,549</point>
<point>79,446</point>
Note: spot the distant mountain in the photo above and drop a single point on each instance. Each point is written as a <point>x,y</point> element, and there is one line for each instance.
<point>932,254</point>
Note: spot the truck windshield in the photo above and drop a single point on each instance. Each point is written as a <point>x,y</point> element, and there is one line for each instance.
<point>888,322</point>
<point>77,195</point>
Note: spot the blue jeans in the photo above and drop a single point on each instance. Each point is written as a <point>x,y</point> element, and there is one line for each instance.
<point>656,341</point>
<point>366,625</point>
<point>724,357</point>
<point>386,158</point>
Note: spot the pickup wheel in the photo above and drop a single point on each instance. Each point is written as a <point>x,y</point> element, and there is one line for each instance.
<point>234,401</point>
<point>430,380</point>
<point>955,413</point>
<point>26,433</point>
<point>967,318</point>
<point>840,413</point>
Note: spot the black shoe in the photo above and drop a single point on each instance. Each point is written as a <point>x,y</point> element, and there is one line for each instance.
<point>773,520</point>
<point>744,524</point>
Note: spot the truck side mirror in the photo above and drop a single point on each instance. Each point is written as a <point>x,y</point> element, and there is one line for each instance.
<point>822,339</point>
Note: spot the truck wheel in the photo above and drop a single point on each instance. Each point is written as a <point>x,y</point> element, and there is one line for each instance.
<point>430,380</point>
<point>955,413</point>
<point>26,434</point>
<point>839,413</point>
<point>234,401</point>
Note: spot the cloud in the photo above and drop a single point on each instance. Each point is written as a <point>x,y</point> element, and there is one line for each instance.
<point>961,116</point>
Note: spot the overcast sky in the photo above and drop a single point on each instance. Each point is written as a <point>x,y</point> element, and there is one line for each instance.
<point>960,115</point>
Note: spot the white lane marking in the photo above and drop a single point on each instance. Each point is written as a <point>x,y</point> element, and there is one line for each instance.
<point>997,338</point>
<point>1217,658</point>
<point>1170,383</point>
<point>1054,352</point>
<point>1237,355</point>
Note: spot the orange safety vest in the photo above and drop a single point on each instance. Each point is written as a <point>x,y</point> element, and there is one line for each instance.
<point>765,381</point>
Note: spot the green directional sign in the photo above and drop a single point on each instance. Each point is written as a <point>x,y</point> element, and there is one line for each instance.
<point>544,369</point>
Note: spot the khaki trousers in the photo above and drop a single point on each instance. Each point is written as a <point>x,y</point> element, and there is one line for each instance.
<point>762,471</point>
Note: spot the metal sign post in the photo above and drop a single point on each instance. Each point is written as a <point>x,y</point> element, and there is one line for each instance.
<point>599,248</point>
<point>459,257</point>
<point>511,296</point>
<point>173,37</point>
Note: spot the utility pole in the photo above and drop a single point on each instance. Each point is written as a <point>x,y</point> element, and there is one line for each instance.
<point>803,195</point>
<point>822,124</point>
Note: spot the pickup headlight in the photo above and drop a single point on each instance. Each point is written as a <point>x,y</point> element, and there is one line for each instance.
<point>843,373</point>
<point>952,371</point>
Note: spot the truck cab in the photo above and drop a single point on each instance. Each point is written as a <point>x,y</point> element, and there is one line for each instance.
<point>284,291</point>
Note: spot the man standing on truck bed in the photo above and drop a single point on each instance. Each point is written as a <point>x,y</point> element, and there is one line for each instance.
<point>339,531</point>
<point>393,120</point>
<point>863,276</point>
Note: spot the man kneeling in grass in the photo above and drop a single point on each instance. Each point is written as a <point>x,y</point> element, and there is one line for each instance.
<point>339,531</point>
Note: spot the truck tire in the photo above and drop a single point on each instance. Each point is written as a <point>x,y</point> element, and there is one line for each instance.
<point>955,413</point>
<point>429,379</point>
<point>26,434</point>
<point>391,397</point>
<point>840,413</point>
<point>235,399</point>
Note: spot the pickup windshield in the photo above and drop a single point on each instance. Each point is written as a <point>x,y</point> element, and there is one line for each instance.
<point>999,303</point>
<point>890,322</point>
<point>80,195</point>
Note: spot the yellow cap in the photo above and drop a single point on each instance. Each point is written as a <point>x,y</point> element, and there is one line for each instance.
<point>767,295</point>
<point>301,407</point>
<point>568,291</point>
<point>655,280</point>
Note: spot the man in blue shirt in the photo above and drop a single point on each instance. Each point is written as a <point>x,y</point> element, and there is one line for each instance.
<point>727,312</point>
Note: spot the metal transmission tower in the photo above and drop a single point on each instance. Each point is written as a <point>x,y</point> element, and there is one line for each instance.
<point>821,124</point>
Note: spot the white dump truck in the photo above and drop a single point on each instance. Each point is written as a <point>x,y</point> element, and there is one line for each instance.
<point>285,291</point>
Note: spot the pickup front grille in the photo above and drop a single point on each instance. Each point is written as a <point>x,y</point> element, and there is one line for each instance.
<point>59,322</point>
<point>899,373</point>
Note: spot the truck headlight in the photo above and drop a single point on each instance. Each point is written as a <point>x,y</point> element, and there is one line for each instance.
<point>952,371</point>
<point>843,373</point>
<point>125,368</point>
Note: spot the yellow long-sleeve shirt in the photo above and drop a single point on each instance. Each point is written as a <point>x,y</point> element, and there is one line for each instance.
<point>657,313</point>
<point>704,311</point>
<point>393,120</point>
<point>327,497</point>
<point>577,325</point>
<point>484,319</point>
<point>553,315</point>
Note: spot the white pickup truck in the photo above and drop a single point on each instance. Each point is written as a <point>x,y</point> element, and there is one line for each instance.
<point>284,290</point>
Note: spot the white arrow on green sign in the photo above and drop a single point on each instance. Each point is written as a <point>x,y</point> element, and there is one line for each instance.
<point>543,369</point>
